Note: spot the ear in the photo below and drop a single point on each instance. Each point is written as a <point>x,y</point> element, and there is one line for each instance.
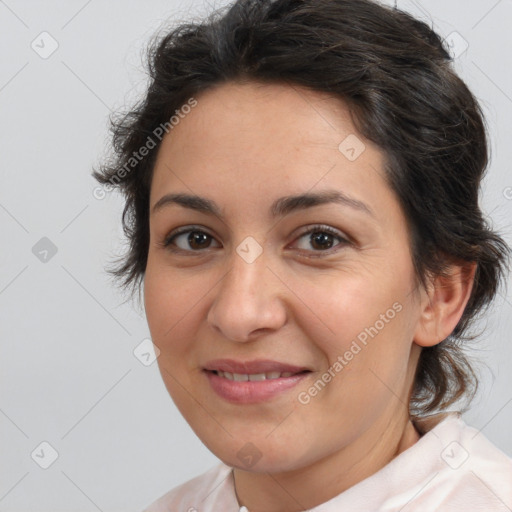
<point>443,303</point>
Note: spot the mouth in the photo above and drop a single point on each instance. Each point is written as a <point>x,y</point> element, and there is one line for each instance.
<point>255,377</point>
<point>254,367</point>
<point>252,381</point>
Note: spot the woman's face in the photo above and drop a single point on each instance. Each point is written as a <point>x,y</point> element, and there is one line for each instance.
<point>323,283</point>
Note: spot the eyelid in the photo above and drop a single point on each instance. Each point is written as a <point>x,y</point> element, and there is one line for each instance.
<point>323,228</point>
<point>186,229</point>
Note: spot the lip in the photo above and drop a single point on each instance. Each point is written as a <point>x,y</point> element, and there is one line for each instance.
<point>252,392</point>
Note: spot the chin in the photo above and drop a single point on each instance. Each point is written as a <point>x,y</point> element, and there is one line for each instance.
<point>258,456</point>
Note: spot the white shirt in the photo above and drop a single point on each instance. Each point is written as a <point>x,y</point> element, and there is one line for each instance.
<point>452,467</point>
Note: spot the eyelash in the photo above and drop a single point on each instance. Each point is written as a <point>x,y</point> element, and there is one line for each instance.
<point>168,241</point>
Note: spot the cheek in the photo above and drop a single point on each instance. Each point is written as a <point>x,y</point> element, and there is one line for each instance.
<point>364,331</point>
<point>339,308</point>
<point>172,320</point>
<point>169,304</point>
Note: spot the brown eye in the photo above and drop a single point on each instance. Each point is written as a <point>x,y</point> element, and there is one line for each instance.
<point>192,240</point>
<point>321,239</point>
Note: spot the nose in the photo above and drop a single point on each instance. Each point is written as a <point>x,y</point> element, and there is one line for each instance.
<point>249,301</point>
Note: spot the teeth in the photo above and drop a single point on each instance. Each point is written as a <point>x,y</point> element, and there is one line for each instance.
<point>257,376</point>
<point>243,377</point>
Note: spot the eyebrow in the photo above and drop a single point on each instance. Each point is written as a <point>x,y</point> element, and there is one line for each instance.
<point>281,207</point>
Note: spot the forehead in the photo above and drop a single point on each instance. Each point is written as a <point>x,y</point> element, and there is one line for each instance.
<point>263,138</point>
<point>258,115</point>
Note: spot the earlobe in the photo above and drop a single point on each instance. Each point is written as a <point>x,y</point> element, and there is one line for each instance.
<point>443,304</point>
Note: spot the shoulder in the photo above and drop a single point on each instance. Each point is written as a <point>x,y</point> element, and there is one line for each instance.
<point>191,495</point>
<point>470,472</point>
<point>463,446</point>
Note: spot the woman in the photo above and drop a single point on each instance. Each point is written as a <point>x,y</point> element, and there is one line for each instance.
<point>301,186</point>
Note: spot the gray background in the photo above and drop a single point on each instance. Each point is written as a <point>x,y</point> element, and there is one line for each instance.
<point>68,373</point>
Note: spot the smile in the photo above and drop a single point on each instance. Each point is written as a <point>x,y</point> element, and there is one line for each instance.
<point>252,382</point>
<point>253,377</point>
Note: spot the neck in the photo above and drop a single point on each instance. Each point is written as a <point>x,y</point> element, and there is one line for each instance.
<point>321,481</point>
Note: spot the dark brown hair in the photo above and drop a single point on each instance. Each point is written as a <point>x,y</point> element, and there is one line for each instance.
<point>396,77</point>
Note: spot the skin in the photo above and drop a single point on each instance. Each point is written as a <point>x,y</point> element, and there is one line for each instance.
<point>243,146</point>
